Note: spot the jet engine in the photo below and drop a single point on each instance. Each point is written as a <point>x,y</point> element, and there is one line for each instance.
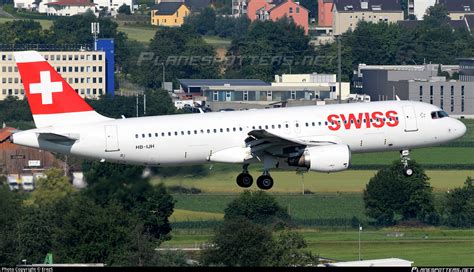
<point>324,158</point>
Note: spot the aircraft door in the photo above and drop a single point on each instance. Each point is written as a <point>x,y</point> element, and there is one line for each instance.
<point>410,119</point>
<point>111,139</point>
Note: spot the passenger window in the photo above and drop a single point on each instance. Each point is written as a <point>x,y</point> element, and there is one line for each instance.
<point>189,132</point>
<point>221,130</point>
<point>234,129</point>
<point>240,129</point>
<point>169,133</point>
<point>195,132</point>
<point>208,131</point>
<point>215,130</point>
<point>266,127</point>
<point>182,132</point>
<point>163,134</point>
<point>175,133</point>
<point>228,130</point>
<point>156,134</point>
<point>279,126</point>
<point>143,135</point>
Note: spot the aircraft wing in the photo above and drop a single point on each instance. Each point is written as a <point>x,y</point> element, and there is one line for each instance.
<point>262,141</point>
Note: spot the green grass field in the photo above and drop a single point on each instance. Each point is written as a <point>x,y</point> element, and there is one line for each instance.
<point>217,41</point>
<point>290,182</point>
<point>140,34</point>
<point>425,247</point>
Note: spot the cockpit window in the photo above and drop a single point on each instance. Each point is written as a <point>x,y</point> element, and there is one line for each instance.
<point>438,114</point>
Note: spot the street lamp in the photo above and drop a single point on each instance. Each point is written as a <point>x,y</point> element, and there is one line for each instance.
<point>360,230</point>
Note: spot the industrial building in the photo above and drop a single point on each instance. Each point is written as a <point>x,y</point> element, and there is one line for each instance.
<point>422,83</point>
<point>288,89</point>
<point>89,72</point>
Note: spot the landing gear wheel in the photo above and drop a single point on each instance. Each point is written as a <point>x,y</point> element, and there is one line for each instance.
<point>408,172</point>
<point>244,180</point>
<point>265,182</point>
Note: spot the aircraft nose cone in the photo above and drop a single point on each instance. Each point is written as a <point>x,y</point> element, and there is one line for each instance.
<point>459,129</point>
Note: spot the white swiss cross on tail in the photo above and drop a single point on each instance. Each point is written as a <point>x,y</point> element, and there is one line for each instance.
<point>46,88</point>
<point>52,100</point>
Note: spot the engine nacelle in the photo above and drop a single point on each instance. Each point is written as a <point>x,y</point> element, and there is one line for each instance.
<point>324,158</point>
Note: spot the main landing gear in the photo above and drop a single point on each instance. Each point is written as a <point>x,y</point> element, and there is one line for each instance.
<point>245,180</point>
<point>405,159</point>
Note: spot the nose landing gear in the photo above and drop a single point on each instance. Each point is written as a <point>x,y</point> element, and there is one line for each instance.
<point>405,159</point>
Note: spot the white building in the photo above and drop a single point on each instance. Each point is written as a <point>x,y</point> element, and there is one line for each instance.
<point>113,5</point>
<point>314,80</point>
<point>25,4</point>
<point>83,70</point>
<point>419,7</point>
<point>69,7</point>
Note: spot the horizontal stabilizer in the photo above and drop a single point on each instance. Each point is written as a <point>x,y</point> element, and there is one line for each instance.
<point>54,137</point>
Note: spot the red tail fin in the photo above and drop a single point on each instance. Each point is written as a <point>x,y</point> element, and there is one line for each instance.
<point>52,100</point>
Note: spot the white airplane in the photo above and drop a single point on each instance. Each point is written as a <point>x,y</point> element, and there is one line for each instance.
<point>316,138</point>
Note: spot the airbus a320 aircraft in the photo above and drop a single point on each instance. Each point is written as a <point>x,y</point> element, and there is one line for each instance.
<point>316,138</point>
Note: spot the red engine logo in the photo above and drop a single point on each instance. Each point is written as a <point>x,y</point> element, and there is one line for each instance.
<point>375,119</point>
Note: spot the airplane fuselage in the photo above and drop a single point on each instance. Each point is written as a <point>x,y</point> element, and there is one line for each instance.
<point>194,138</point>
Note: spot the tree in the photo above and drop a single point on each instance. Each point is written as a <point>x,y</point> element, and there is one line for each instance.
<point>50,189</point>
<point>460,205</point>
<point>390,196</point>
<point>204,22</point>
<point>21,32</point>
<point>240,243</point>
<point>35,232</point>
<point>10,205</point>
<point>124,184</point>
<point>245,238</point>
<point>184,54</point>
<point>124,9</point>
<point>258,207</point>
<point>89,233</point>
<point>269,48</point>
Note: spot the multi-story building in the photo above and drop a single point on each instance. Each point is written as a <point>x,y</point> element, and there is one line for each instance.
<point>112,6</point>
<point>458,9</point>
<point>85,71</point>
<point>263,10</point>
<point>25,4</point>
<point>325,13</point>
<point>348,13</point>
<point>418,7</point>
<point>239,8</point>
<point>70,7</point>
<point>170,14</point>
<point>288,89</point>
<point>422,83</point>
